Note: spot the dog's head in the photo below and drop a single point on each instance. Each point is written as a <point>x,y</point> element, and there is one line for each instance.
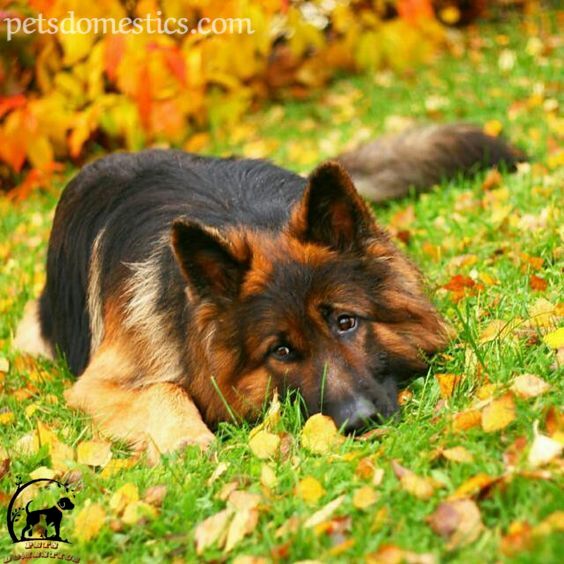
<point>329,307</point>
<point>65,503</point>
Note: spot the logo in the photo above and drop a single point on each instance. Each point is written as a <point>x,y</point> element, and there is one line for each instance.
<point>36,515</point>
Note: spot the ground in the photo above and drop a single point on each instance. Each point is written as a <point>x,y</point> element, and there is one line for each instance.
<point>491,250</point>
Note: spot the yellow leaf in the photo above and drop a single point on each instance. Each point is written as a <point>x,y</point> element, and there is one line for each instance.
<point>498,414</point>
<point>42,473</point>
<point>94,453</point>
<point>7,417</point>
<point>493,127</point>
<point>89,521</point>
<point>447,384</point>
<point>219,470</point>
<point>459,522</point>
<point>529,386</point>
<point>457,454</point>
<point>264,444</point>
<point>310,490</point>
<point>466,420</point>
<point>421,488</point>
<point>128,493</point>
<point>31,409</point>
<point>136,511</point>
<point>116,465</point>
<point>61,455</point>
<point>268,477</point>
<point>555,340</point>
<point>320,434</point>
<point>473,486</point>
<point>365,497</point>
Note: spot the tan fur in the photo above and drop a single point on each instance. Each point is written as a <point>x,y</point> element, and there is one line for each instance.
<point>159,417</point>
<point>95,308</point>
<point>28,334</point>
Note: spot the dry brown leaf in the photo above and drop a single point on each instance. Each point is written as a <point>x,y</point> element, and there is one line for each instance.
<point>94,453</point>
<point>390,554</point>
<point>4,467</point>
<point>364,497</point>
<point>245,517</point>
<point>324,513</point>
<point>212,530</point>
<point>310,490</point>
<point>418,486</point>
<point>89,521</point>
<point>155,495</point>
<point>264,444</point>
<point>459,522</point>
<point>320,434</point>
<point>529,386</point>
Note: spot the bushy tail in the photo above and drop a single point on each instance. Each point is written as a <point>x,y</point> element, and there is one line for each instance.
<point>419,158</point>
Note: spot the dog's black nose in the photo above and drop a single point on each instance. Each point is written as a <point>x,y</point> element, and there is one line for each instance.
<point>355,414</point>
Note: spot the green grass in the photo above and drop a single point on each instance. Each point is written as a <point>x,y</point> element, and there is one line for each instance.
<point>454,220</point>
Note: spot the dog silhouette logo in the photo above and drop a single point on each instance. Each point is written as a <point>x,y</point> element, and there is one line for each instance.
<point>36,510</point>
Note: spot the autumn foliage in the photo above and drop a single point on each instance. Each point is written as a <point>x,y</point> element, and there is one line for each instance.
<point>64,95</point>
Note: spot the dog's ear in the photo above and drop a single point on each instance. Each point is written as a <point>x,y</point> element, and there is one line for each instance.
<point>331,212</point>
<point>206,261</point>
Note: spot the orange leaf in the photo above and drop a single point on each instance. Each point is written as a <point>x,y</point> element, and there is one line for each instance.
<point>537,283</point>
<point>466,420</point>
<point>447,384</point>
<point>473,486</point>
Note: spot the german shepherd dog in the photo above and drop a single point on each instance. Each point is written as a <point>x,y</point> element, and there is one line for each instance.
<point>182,289</point>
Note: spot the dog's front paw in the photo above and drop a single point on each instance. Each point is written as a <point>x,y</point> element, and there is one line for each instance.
<point>155,450</point>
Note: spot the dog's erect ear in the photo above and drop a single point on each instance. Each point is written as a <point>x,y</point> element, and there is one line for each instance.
<point>331,212</point>
<point>206,261</point>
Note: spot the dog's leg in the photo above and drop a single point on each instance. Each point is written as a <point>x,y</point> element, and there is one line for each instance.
<point>160,417</point>
<point>28,334</point>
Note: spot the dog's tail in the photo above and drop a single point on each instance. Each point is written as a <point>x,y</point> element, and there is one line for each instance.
<point>419,158</point>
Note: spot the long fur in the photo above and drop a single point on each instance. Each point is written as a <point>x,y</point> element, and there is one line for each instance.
<point>419,158</point>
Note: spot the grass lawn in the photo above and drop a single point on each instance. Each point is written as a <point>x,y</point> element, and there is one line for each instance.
<point>491,248</point>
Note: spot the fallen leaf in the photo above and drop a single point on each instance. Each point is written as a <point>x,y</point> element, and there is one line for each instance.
<point>555,339</point>
<point>498,414</point>
<point>310,490</point>
<point>89,521</point>
<point>94,453</point>
<point>212,530</point>
<point>324,513</point>
<point>7,417</point>
<point>116,465</point>
<point>245,518</point>
<point>126,494</point>
<point>219,471</point>
<point>473,486</point>
<point>518,538</point>
<point>447,384</point>
<point>364,497</point>
<point>529,386</point>
<point>43,473</point>
<point>391,554</point>
<point>543,450</point>
<point>459,522</point>
<point>320,434</point>
<point>418,486</point>
<point>268,477</point>
<point>4,467</point>
<point>137,511</point>
<point>466,420</point>
<point>537,283</point>
<point>264,444</point>
<point>457,454</point>
<point>155,495</point>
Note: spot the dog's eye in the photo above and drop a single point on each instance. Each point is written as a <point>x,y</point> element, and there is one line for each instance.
<point>346,323</point>
<point>281,352</point>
